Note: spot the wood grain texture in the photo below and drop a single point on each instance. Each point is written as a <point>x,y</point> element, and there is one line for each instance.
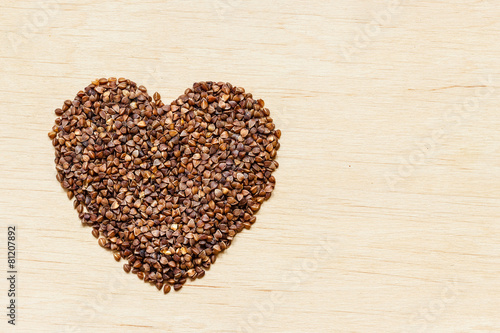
<point>385,216</point>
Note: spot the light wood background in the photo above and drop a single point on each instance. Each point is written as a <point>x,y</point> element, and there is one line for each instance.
<point>386,213</point>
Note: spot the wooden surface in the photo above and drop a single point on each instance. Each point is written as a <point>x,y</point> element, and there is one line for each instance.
<point>385,217</point>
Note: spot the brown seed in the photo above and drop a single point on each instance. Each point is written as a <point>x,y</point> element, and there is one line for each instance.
<point>204,104</point>
<point>240,177</point>
<point>102,242</point>
<point>117,256</point>
<point>126,268</point>
<point>166,289</point>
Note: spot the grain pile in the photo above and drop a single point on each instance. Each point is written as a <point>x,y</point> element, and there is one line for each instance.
<point>166,187</point>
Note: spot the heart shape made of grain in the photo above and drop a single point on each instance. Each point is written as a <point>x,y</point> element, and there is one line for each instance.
<point>166,187</point>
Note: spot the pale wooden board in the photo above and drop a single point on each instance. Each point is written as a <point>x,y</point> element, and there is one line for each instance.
<point>411,246</point>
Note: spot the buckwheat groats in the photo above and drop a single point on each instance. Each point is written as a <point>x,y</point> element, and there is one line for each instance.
<point>166,187</point>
